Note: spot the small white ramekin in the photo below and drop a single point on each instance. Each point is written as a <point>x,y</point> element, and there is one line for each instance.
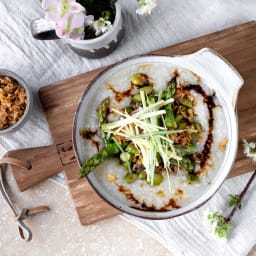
<point>28,109</point>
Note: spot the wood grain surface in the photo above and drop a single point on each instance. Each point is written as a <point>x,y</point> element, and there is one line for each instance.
<point>59,100</point>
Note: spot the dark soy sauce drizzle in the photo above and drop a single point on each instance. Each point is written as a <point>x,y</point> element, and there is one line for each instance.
<point>164,208</point>
<point>130,196</point>
<point>119,96</point>
<point>209,101</point>
<point>89,135</point>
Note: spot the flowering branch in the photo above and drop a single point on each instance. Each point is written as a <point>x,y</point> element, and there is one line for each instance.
<point>222,225</point>
<point>238,204</point>
<point>71,17</point>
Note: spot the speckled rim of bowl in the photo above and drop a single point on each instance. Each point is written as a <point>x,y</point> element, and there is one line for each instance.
<point>26,114</point>
<point>220,179</point>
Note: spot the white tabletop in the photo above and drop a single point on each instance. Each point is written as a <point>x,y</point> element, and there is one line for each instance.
<point>40,63</point>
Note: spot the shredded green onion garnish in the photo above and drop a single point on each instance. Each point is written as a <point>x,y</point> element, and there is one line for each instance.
<point>149,138</point>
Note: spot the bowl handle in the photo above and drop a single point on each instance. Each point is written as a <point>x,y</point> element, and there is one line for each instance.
<point>220,70</point>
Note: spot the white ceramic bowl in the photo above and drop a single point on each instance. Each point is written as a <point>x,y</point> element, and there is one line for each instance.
<point>216,73</point>
<point>27,112</point>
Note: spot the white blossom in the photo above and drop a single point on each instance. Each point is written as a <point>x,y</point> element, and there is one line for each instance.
<point>101,26</point>
<point>146,6</point>
<point>250,149</point>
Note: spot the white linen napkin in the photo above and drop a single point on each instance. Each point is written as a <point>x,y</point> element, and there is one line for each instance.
<point>192,235</point>
<point>2,151</point>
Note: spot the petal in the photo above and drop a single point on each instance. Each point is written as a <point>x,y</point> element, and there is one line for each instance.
<point>65,27</point>
<point>49,3</point>
<point>77,20</point>
<point>53,16</point>
<point>101,26</point>
<point>76,7</point>
<point>61,30</point>
<point>61,34</point>
<point>88,20</point>
<point>61,24</point>
<point>146,6</point>
<point>77,35</point>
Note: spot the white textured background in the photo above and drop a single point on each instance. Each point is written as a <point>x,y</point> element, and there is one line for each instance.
<point>41,63</point>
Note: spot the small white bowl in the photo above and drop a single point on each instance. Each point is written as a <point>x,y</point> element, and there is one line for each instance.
<point>28,109</point>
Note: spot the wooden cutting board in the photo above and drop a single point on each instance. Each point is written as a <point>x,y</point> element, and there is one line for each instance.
<point>59,101</point>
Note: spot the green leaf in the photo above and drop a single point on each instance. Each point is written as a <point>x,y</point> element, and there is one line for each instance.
<point>223,230</point>
<point>233,200</point>
<point>223,226</point>
<point>106,15</point>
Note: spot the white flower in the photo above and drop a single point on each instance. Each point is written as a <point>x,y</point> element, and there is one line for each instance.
<point>101,26</point>
<point>250,149</point>
<point>72,27</point>
<point>60,9</point>
<point>69,17</point>
<point>146,6</point>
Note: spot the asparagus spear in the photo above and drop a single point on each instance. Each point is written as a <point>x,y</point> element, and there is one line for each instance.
<point>170,119</point>
<point>170,91</point>
<point>171,88</point>
<point>102,111</point>
<point>108,151</point>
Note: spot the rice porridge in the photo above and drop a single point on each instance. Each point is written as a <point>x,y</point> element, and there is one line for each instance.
<point>174,191</point>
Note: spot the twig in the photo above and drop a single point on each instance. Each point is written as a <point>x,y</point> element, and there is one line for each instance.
<point>241,196</point>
